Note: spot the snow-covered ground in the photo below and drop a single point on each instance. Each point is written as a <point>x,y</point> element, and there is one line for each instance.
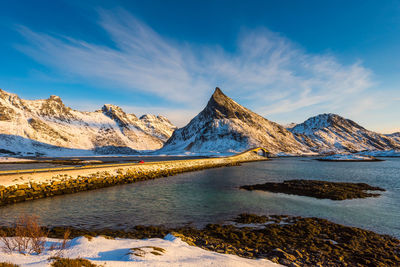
<point>347,157</point>
<point>121,252</point>
<point>11,160</point>
<point>382,153</point>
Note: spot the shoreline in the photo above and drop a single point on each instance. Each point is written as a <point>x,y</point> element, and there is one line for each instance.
<point>280,239</point>
<point>29,185</point>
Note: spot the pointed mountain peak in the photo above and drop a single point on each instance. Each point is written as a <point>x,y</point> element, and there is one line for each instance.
<point>224,125</point>
<point>117,114</point>
<point>114,112</point>
<point>55,97</point>
<point>111,108</point>
<point>219,96</point>
<point>221,105</point>
<point>218,93</point>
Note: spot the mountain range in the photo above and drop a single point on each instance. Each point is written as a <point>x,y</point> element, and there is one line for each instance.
<point>49,127</point>
<point>333,133</point>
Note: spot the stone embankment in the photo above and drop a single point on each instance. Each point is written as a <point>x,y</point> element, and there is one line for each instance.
<point>51,183</point>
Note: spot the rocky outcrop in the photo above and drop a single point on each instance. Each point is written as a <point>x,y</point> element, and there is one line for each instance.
<point>318,189</point>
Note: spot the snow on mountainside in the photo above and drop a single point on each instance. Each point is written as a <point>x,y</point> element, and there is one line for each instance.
<point>158,126</point>
<point>332,133</point>
<point>289,125</point>
<point>395,136</point>
<point>226,126</point>
<point>48,126</point>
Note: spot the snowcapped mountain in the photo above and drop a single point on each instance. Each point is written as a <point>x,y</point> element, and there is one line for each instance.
<point>48,126</point>
<point>226,126</point>
<point>395,136</point>
<point>332,133</point>
<point>158,126</point>
<point>289,125</point>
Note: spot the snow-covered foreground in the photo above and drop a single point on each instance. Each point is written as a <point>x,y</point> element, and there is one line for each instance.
<point>171,251</point>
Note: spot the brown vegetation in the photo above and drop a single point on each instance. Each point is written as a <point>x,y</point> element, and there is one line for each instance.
<point>29,236</point>
<point>7,264</point>
<point>67,262</point>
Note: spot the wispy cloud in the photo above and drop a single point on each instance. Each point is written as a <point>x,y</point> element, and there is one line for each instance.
<point>267,71</point>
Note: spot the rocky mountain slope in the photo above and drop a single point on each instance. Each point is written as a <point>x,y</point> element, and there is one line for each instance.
<point>332,133</point>
<point>47,126</point>
<point>226,126</point>
<point>395,136</point>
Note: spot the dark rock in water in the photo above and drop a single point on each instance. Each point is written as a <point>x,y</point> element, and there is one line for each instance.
<point>319,189</point>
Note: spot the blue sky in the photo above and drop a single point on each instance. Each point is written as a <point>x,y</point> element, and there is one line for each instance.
<point>286,60</point>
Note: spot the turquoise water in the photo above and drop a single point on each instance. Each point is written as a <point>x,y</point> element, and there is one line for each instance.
<point>213,196</point>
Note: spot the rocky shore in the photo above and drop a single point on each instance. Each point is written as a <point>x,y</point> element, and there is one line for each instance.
<point>291,241</point>
<point>319,189</point>
<point>68,185</point>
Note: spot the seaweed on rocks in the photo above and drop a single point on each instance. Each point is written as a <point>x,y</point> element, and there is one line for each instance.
<point>319,189</point>
<point>288,240</point>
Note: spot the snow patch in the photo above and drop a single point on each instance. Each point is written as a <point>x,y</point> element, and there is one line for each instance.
<point>170,251</point>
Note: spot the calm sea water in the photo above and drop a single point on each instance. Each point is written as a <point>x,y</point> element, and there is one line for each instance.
<point>213,196</point>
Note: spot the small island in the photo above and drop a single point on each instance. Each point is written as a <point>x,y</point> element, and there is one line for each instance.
<point>318,189</point>
<point>348,158</point>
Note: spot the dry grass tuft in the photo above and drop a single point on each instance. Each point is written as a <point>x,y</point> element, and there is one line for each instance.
<point>29,237</point>
<point>142,251</point>
<point>7,264</point>
<point>67,262</point>
<point>60,247</point>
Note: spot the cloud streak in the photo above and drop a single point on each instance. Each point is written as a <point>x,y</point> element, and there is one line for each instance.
<point>267,71</point>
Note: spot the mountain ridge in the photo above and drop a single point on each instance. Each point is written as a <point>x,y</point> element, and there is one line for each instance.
<point>46,126</point>
<point>50,121</point>
<point>330,132</point>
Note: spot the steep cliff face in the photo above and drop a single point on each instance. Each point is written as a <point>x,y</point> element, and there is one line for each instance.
<point>331,132</point>
<point>226,126</point>
<point>36,126</point>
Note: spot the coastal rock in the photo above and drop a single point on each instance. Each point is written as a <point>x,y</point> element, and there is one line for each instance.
<point>318,189</point>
